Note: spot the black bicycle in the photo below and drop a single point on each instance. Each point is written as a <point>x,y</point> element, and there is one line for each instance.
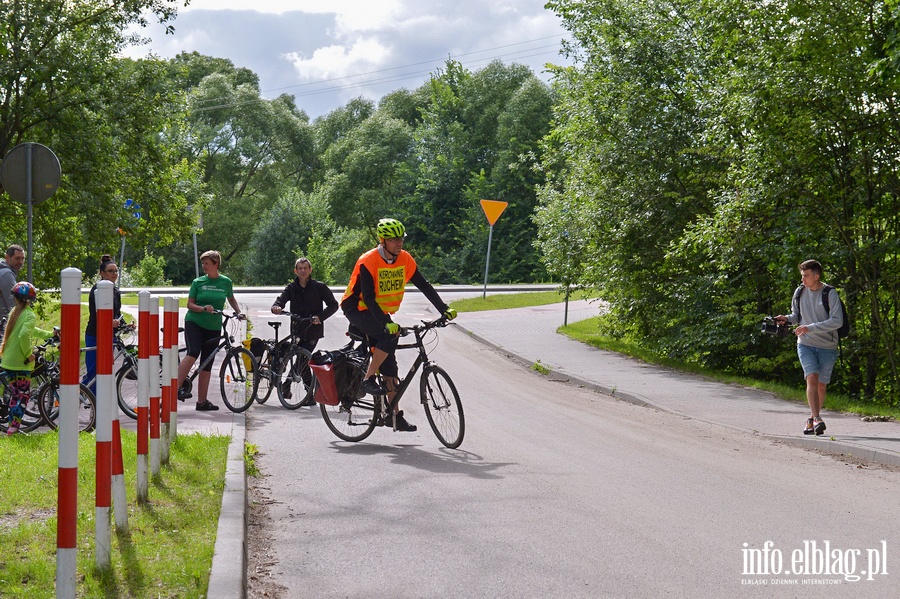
<point>126,375</point>
<point>238,374</point>
<point>284,366</point>
<point>355,415</point>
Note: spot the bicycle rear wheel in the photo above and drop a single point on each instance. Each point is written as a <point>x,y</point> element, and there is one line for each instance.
<point>295,386</point>
<point>264,377</point>
<point>238,379</point>
<point>442,406</point>
<point>127,389</point>
<point>48,402</point>
<point>353,421</point>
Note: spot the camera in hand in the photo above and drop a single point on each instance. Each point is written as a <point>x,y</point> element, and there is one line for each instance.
<point>771,327</point>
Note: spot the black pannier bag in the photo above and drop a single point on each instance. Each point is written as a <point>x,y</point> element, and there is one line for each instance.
<point>339,374</point>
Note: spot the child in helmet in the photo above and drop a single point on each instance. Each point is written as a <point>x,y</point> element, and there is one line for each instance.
<point>17,351</point>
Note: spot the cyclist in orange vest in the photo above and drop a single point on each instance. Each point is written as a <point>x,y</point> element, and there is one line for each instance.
<point>374,293</point>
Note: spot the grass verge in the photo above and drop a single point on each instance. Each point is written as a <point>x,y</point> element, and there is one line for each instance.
<point>503,301</point>
<point>168,547</point>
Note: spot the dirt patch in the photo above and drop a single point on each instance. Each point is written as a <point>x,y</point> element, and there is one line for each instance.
<point>9,521</point>
<point>260,558</point>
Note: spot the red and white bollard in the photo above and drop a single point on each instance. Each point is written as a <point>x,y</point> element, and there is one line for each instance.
<point>69,398</point>
<point>166,406</point>
<point>154,387</point>
<point>171,344</point>
<point>143,399</point>
<point>104,302</point>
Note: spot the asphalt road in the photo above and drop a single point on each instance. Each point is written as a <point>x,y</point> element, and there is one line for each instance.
<point>556,492</point>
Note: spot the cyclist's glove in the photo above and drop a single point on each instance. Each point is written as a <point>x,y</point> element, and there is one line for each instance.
<point>392,328</point>
<point>449,313</point>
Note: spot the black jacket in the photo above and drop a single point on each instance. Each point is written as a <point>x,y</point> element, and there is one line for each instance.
<point>316,299</point>
<point>91,328</point>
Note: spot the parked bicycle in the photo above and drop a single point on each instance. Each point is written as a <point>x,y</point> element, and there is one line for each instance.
<point>238,375</point>
<point>43,405</point>
<point>353,415</point>
<point>126,375</point>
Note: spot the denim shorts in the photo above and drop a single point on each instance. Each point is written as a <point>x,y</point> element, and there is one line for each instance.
<point>816,360</point>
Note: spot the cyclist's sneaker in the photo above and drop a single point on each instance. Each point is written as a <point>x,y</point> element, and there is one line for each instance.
<point>810,429</point>
<point>13,428</point>
<point>819,426</point>
<point>206,406</point>
<point>402,424</point>
<point>371,387</point>
<point>286,390</point>
<point>183,394</point>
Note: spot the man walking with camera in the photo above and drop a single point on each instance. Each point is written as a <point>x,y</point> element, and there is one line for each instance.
<point>817,337</point>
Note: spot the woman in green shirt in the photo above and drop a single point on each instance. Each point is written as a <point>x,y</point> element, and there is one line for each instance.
<point>202,327</point>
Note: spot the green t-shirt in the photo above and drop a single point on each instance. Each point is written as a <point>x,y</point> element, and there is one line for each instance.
<point>213,292</point>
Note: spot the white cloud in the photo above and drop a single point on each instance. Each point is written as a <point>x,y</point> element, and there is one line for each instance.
<point>339,61</point>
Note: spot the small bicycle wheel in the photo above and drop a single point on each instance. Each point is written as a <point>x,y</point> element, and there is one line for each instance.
<point>127,389</point>
<point>353,422</point>
<point>31,418</point>
<point>238,379</point>
<point>295,386</point>
<point>48,402</point>
<point>442,406</point>
<point>264,377</point>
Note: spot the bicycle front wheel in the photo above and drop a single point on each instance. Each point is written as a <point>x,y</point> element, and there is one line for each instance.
<point>442,406</point>
<point>127,389</point>
<point>238,379</point>
<point>353,421</point>
<point>295,387</point>
<point>48,402</point>
<point>31,418</point>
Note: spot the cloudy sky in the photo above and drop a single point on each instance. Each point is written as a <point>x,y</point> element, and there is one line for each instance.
<point>326,52</point>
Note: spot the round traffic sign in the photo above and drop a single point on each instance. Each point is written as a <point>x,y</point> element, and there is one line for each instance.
<point>45,172</point>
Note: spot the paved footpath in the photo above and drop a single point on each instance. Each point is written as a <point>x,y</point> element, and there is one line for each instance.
<point>529,335</point>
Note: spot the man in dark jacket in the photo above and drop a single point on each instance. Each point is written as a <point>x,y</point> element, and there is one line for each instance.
<point>308,299</point>
<point>9,275</point>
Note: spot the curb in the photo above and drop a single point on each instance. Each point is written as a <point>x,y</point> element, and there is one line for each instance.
<point>825,445</point>
<point>228,577</point>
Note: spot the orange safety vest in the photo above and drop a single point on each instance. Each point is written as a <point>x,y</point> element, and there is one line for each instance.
<point>390,279</point>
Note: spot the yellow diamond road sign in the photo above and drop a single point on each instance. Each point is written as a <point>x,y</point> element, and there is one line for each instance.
<point>493,209</point>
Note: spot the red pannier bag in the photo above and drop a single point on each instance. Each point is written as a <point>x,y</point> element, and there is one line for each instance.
<point>326,388</point>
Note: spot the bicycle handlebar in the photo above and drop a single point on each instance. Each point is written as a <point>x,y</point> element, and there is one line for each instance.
<point>426,325</point>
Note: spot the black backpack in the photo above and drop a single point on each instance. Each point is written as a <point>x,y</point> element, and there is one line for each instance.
<point>826,291</point>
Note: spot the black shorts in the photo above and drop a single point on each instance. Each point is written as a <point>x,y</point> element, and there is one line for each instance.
<point>200,342</point>
<point>377,337</point>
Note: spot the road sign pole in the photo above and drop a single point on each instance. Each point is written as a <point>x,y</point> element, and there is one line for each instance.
<point>487,262</point>
<point>29,196</point>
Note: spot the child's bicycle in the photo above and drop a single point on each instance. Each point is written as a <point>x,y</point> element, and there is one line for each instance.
<point>353,415</point>
<point>43,404</point>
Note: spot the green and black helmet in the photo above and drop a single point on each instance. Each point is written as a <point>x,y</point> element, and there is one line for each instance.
<point>389,228</point>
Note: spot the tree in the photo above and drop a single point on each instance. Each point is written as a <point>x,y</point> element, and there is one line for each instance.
<point>62,85</point>
<point>251,150</point>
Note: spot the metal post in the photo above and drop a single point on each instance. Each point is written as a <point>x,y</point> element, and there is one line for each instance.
<point>28,200</point>
<point>487,262</point>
